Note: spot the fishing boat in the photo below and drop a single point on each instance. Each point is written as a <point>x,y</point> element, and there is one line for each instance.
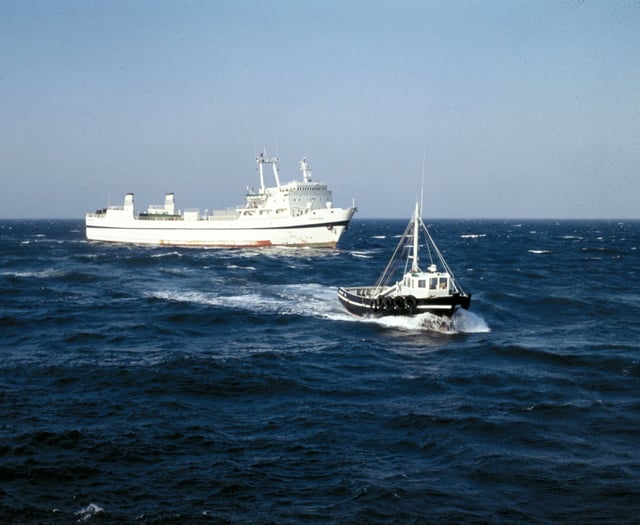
<point>417,291</point>
<point>298,213</point>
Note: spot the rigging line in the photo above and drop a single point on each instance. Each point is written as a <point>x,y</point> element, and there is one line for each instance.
<point>444,263</point>
<point>393,263</point>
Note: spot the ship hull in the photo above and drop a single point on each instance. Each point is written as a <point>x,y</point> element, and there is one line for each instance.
<point>361,302</point>
<point>317,230</point>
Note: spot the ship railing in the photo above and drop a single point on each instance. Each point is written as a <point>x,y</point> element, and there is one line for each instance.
<point>159,217</point>
<point>103,211</point>
<point>223,215</point>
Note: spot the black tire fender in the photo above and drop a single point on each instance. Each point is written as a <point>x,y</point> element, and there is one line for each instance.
<point>398,304</point>
<point>410,303</point>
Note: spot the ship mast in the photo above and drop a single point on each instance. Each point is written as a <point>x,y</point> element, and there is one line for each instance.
<point>306,170</point>
<point>262,159</point>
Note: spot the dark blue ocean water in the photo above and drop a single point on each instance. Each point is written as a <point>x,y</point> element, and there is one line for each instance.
<point>160,385</point>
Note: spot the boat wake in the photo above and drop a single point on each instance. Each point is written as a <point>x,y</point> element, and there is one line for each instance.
<point>467,322</point>
<point>418,323</point>
<point>462,322</point>
<point>315,300</point>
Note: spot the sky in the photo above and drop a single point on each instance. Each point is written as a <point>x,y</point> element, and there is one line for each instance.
<point>505,109</point>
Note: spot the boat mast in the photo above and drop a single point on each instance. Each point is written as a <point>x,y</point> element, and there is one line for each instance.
<point>416,230</point>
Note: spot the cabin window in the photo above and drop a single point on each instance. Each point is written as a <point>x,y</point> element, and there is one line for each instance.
<point>422,283</point>
<point>433,283</point>
<point>444,283</point>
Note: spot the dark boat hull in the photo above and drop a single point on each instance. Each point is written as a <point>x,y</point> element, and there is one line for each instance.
<point>366,306</point>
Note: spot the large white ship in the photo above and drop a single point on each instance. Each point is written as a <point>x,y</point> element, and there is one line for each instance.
<point>299,213</point>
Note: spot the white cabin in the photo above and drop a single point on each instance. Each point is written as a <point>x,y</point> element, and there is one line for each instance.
<point>423,285</point>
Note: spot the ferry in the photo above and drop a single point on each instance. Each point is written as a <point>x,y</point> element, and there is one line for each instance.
<point>408,289</point>
<point>299,213</point>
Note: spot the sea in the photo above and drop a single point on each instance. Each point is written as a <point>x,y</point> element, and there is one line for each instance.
<point>153,385</point>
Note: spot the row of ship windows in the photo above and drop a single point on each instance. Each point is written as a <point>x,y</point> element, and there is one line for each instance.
<point>317,188</point>
<point>295,199</point>
<point>434,283</point>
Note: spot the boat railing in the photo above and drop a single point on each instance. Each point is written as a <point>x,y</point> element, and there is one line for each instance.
<point>364,291</point>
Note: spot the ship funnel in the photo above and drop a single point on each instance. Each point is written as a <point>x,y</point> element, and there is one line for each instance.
<point>128,201</point>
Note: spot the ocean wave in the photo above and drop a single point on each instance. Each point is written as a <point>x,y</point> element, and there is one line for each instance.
<point>41,274</point>
<point>363,255</point>
<point>166,254</point>
<point>89,512</point>
<point>237,267</point>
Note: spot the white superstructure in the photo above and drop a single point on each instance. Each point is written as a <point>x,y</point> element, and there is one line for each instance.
<point>299,213</point>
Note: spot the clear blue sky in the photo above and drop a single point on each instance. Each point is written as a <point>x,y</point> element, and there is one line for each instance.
<point>521,108</point>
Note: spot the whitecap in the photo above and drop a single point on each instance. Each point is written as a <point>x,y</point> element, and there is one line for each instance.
<point>43,274</point>
<point>166,254</point>
<point>473,235</point>
<point>88,512</point>
<point>362,255</point>
<point>184,297</point>
<point>539,252</point>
